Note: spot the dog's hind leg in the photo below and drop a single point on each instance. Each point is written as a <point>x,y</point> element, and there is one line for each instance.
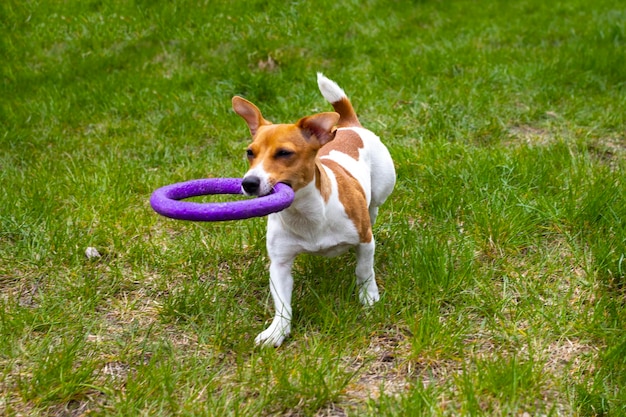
<point>365,277</point>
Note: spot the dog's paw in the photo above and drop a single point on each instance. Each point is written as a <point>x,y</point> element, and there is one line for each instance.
<point>274,335</point>
<point>368,296</point>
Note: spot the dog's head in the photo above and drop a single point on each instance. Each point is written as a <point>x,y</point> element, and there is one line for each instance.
<point>282,152</point>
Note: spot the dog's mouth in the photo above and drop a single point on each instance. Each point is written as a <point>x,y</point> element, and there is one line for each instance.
<point>252,185</point>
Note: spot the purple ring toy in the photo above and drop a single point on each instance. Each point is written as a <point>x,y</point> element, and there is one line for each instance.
<point>165,201</point>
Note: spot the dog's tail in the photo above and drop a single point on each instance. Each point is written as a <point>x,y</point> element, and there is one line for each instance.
<point>337,97</point>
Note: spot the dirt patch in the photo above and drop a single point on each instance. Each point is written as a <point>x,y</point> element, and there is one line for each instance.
<point>381,368</point>
<point>609,150</point>
<point>529,135</point>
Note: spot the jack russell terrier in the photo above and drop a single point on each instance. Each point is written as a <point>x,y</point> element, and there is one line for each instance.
<point>340,173</point>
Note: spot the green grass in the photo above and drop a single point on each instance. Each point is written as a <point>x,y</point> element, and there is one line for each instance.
<point>501,255</point>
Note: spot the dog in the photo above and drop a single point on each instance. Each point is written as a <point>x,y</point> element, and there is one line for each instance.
<point>340,173</point>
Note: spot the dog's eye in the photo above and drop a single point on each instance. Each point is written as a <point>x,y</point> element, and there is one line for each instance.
<point>283,153</point>
<point>249,153</point>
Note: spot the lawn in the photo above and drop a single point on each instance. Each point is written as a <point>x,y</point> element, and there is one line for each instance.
<point>500,256</point>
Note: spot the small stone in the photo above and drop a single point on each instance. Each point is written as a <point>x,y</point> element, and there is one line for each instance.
<point>92,252</point>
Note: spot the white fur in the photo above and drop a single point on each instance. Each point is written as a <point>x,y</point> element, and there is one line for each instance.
<point>312,225</point>
<point>329,89</point>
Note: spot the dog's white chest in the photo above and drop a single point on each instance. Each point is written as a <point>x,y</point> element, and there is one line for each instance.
<point>327,232</point>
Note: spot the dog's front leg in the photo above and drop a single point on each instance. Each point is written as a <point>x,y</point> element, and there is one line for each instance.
<point>281,287</point>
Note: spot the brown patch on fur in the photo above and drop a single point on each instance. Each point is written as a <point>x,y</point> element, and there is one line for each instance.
<point>352,196</point>
<point>346,141</point>
<point>322,182</point>
<point>346,111</point>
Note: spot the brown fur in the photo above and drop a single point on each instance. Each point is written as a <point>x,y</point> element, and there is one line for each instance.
<point>346,141</point>
<point>322,182</point>
<point>352,197</point>
<point>348,116</point>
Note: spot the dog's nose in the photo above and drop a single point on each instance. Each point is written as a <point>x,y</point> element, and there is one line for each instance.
<point>251,185</point>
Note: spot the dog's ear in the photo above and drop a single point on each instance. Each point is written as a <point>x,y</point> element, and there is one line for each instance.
<point>321,125</point>
<point>250,113</point>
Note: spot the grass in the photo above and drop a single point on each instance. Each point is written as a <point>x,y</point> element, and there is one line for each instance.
<point>501,253</point>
